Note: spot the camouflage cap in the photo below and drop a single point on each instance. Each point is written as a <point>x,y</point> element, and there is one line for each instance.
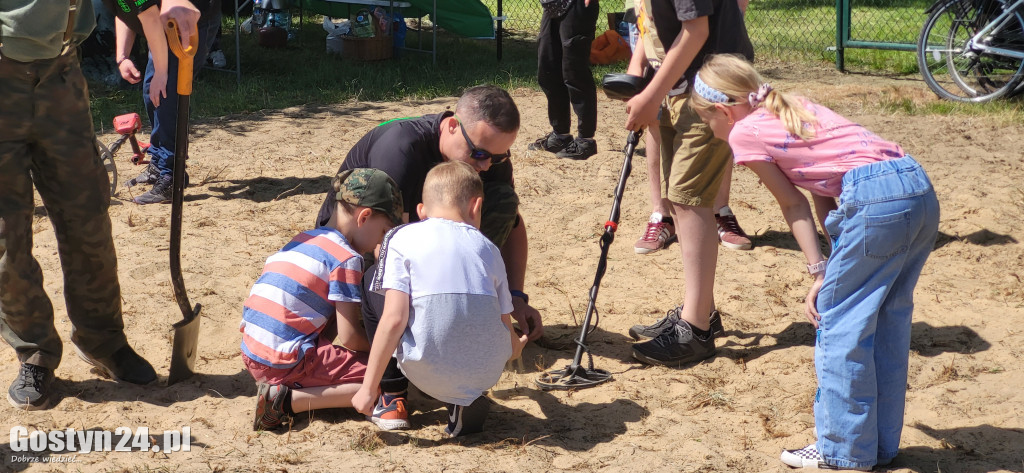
<point>371,188</point>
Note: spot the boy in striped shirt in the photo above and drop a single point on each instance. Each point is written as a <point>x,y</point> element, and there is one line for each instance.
<point>308,296</point>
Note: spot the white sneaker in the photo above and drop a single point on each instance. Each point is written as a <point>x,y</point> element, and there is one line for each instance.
<point>218,59</point>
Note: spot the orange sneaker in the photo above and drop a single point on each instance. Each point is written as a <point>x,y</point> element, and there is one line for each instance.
<point>390,415</point>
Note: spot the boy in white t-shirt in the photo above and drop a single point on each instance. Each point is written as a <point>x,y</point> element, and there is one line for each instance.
<point>446,303</point>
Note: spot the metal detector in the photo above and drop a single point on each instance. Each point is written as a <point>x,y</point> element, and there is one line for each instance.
<point>186,331</point>
<point>574,376</point>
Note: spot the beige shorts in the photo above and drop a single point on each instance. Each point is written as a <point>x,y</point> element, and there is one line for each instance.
<point>693,161</point>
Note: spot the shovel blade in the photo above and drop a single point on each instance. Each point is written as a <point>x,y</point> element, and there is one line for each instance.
<point>185,347</point>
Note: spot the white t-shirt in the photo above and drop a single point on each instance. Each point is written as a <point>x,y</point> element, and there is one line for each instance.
<point>455,345</point>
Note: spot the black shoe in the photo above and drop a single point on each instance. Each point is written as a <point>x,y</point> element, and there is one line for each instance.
<point>675,347</point>
<point>123,366</point>
<point>580,149</point>
<point>147,176</point>
<point>159,194</point>
<point>31,389</point>
<point>650,331</point>
<point>671,317</point>
<point>551,142</point>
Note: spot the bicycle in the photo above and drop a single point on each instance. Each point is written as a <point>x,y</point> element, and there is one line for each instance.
<point>973,50</point>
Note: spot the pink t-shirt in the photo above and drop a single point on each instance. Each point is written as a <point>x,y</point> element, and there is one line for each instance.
<point>817,164</point>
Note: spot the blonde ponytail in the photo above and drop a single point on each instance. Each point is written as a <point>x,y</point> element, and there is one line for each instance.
<point>737,79</point>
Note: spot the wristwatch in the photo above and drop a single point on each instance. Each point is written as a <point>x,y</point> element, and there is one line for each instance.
<point>817,268</point>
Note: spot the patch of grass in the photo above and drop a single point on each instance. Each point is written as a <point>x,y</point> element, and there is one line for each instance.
<point>1003,112</point>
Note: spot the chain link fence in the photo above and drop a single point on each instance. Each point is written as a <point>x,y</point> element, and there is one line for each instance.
<point>788,29</point>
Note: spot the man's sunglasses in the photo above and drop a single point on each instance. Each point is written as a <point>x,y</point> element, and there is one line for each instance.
<point>482,154</point>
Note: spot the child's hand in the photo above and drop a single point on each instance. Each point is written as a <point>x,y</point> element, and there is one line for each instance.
<point>811,308</point>
<point>364,400</point>
<point>157,88</point>
<point>642,111</point>
<point>517,345</point>
<point>129,72</point>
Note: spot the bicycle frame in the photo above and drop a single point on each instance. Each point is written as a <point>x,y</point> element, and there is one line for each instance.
<point>995,26</point>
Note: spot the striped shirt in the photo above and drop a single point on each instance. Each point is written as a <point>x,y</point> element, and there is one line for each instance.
<point>294,298</point>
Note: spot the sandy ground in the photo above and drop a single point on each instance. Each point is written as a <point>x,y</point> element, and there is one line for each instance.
<point>258,180</point>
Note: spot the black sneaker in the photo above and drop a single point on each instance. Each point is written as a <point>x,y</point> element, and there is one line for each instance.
<point>147,176</point>
<point>671,317</point>
<point>159,194</point>
<point>675,347</point>
<point>551,142</point>
<point>580,149</point>
<point>124,365</point>
<point>31,389</point>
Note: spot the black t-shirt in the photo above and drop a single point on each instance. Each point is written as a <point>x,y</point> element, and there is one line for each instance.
<point>727,33</point>
<point>406,149</point>
<point>128,10</point>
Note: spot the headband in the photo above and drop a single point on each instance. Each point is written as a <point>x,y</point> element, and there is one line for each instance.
<point>755,98</point>
<point>707,92</point>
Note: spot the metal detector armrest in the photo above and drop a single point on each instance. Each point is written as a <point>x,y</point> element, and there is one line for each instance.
<point>621,86</point>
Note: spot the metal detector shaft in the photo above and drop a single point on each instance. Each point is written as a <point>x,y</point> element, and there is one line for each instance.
<point>606,240</point>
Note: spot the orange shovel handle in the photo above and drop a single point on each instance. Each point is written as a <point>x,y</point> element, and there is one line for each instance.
<point>184,55</point>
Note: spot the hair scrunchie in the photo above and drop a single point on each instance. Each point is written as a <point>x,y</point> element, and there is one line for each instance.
<point>755,98</point>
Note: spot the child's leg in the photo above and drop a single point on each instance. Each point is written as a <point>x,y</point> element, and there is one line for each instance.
<point>323,397</point>
<point>390,412</point>
<point>463,420</point>
<point>693,164</point>
<point>660,229</point>
<point>862,346</point>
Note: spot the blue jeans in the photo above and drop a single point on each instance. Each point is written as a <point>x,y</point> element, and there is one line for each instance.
<point>882,233</point>
<point>164,117</point>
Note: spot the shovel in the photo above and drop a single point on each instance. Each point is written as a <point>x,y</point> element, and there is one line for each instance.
<point>186,332</point>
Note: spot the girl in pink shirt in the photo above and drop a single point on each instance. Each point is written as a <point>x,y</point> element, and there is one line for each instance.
<point>882,231</point>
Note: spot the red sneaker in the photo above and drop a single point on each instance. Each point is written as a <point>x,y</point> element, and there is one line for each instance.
<point>391,416</point>
<point>656,236</point>
<point>729,232</point>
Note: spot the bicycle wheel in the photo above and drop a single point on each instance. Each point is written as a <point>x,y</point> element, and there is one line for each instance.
<point>955,70</point>
<point>108,163</point>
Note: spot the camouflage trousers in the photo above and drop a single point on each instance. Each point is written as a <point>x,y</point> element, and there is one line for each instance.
<point>47,138</point>
<point>500,212</point>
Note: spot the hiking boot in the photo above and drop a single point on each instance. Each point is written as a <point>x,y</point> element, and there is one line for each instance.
<point>656,236</point>
<point>31,388</point>
<point>671,317</point>
<point>390,413</point>
<point>124,366</point>
<point>270,413</point>
<point>159,194</point>
<point>551,142</point>
<point>147,176</point>
<point>579,149</point>
<point>809,457</point>
<point>675,347</point>
<point>729,232</point>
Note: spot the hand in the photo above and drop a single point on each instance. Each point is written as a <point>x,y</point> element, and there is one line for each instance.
<point>129,72</point>
<point>528,319</point>
<point>518,343</point>
<point>157,88</point>
<point>364,400</point>
<point>642,111</point>
<point>185,14</point>
<point>811,308</point>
